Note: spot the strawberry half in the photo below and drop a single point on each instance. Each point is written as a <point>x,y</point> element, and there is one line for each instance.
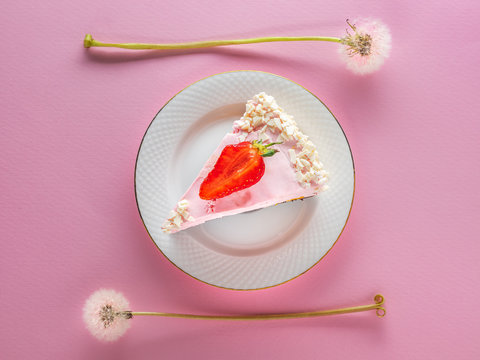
<point>238,167</point>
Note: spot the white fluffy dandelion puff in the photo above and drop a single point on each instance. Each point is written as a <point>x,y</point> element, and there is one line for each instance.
<point>366,48</point>
<point>106,314</point>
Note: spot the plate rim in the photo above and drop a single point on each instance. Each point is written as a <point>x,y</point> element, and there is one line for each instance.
<point>135,180</point>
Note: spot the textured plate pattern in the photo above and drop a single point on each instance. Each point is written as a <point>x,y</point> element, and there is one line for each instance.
<point>180,139</point>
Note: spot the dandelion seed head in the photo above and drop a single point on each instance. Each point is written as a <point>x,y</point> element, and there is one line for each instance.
<point>366,46</point>
<point>106,314</point>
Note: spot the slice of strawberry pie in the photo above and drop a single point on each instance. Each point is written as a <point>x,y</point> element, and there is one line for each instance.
<point>266,160</point>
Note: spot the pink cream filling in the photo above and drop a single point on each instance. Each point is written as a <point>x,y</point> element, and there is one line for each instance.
<point>278,184</point>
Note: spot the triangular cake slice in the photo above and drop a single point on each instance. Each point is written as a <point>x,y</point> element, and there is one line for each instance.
<point>291,168</point>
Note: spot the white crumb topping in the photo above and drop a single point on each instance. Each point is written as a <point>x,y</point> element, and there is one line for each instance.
<point>263,111</point>
<point>177,217</point>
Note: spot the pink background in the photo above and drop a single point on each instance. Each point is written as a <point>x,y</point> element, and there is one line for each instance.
<point>71,124</point>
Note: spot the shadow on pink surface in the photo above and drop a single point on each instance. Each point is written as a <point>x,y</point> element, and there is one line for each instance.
<point>172,338</point>
<point>109,56</point>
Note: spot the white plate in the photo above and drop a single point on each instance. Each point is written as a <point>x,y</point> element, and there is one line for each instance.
<point>254,250</point>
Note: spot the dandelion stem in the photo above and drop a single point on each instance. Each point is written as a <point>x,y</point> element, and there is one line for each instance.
<point>379,300</point>
<point>90,42</point>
